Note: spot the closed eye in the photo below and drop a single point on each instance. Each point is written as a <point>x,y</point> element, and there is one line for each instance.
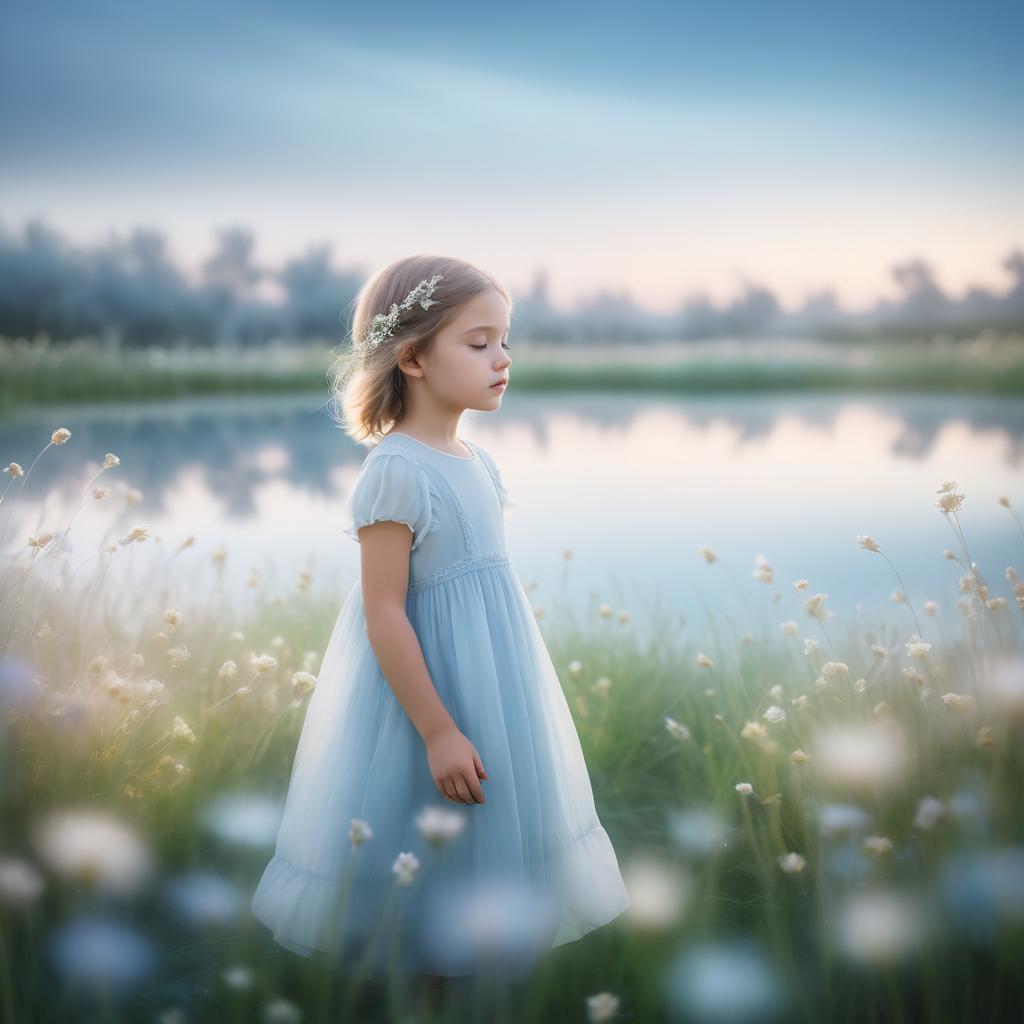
<point>503,345</point>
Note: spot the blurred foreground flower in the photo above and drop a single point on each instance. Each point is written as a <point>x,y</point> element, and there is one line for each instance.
<point>838,820</point>
<point>20,882</point>
<point>204,899</point>
<point>763,571</point>
<point>880,927</point>
<point>699,831</point>
<point>359,831</point>
<point>20,688</point>
<point>792,863</point>
<point>243,819</point>
<point>601,1007</point>
<point>493,921</point>
<point>405,867</point>
<point>1001,686</point>
<point>238,977</point>
<point>94,847</point>
<point>722,981</point>
<point>440,825</point>
<point>659,892</point>
<point>100,953</point>
<point>862,755</point>
<point>984,891</point>
<point>281,1011</point>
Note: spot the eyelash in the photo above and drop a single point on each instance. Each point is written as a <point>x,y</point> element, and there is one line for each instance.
<point>481,347</point>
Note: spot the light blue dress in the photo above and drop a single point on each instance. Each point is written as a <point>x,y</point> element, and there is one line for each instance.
<point>529,869</point>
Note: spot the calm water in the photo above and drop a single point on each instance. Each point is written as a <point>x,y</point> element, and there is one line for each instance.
<point>632,484</point>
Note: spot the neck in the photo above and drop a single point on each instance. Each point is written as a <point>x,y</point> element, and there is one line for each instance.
<point>441,429</point>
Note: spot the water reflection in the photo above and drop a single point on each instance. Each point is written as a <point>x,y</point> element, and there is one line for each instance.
<point>633,484</point>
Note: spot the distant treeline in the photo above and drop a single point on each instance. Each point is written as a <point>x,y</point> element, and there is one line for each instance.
<point>129,290</point>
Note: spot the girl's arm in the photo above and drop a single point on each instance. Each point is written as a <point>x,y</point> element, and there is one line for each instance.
<point>384,559</point>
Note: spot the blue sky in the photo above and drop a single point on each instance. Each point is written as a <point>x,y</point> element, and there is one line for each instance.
<point>662,149</point>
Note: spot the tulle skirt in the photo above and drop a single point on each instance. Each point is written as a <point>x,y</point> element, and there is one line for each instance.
<point>428,885</point>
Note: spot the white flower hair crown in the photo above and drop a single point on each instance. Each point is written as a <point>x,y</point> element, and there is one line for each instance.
<point>383,325</point>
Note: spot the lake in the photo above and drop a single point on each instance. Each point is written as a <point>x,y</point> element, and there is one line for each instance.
<point>632,484</point>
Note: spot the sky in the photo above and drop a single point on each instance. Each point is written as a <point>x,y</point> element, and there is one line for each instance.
<point>657,149</point>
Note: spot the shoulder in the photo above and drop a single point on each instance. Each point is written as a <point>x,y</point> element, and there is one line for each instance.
<point>388,451</point>
<point>389,463</point>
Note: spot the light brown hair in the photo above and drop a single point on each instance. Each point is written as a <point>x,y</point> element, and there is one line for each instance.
<point>367,387</point>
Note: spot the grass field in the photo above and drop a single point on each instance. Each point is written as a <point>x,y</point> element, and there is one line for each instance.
<point>817,819</point>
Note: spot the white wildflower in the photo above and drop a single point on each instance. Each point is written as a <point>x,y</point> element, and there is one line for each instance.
<point>601,1007</point>
<point>405,867</point>
<point>929,810</point>
<point>676,728</point>
<point>440,825</point>
<point>20,882</point>
<point>815,607</point>
<point>917,648</point>
<point>302,683</point>
<point>359,831</point>
<point>792,863</point>
<point>835,670</point>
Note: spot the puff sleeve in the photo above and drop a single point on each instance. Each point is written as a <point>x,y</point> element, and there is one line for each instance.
<point>392,487</point>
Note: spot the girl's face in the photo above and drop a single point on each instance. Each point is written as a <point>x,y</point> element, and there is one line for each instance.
<point>468,356</point>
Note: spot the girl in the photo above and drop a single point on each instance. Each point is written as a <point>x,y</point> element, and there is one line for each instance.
<point>439,817</point>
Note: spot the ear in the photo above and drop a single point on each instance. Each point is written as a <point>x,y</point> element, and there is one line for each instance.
<point>407,362</point>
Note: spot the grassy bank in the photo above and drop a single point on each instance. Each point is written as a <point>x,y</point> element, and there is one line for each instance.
<point>34,373</point>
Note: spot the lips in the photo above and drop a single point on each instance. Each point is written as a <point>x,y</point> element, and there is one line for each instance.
<point>500,384</point>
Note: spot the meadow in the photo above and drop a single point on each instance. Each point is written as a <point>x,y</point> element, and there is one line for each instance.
<point>817,819</point>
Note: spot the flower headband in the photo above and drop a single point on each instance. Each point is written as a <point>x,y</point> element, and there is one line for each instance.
<point>383,325</point>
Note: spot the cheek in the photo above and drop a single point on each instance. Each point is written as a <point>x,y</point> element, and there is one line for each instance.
<point>458,366</point>
<point>469,361</point>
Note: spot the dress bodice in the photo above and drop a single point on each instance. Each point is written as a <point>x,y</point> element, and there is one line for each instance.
<point>453,504</point>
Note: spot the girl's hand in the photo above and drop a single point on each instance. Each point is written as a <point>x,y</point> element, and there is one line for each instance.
<point>455,766</point>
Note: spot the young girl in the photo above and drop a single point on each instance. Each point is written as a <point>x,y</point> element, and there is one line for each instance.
<point>439,817</point>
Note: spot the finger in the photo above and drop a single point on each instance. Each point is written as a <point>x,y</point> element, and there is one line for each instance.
<point>450,790</point>
<point>460,785</point>
<point>479,766</point>
<point>475,789</point>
